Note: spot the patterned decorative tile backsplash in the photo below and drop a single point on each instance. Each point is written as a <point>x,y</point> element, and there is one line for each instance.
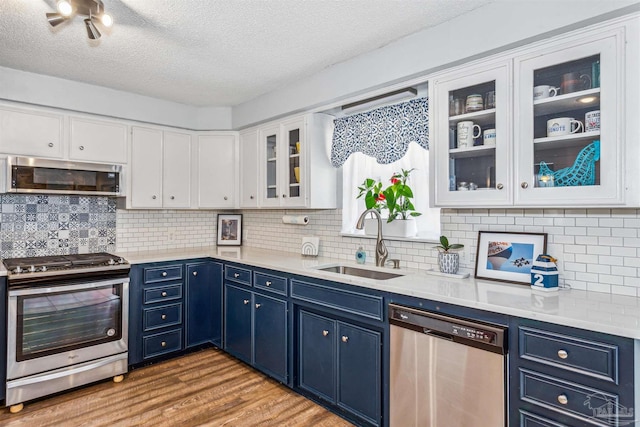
<point>40,225</point>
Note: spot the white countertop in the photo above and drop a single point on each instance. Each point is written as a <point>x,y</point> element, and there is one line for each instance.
<point>607,313</point>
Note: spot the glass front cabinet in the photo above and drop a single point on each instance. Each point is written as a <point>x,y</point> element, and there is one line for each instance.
<point>556,140</point>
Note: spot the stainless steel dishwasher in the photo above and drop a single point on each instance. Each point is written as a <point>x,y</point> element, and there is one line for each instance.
<point>445,371</point>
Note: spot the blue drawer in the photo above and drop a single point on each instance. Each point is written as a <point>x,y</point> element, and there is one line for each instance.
<point>572,399</point>
<point>237,274</point>
<point>370,306</point>
<point>270,282</point>
<point>163,274</point>
<point>163,343</point>
<point>161,317</point>
<point>162,293</point>
<point>531,420</point>
<point>583,356</point>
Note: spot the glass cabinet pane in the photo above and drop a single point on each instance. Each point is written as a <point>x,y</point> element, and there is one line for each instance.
<point>566,124</point>
<point>293,170</point>
<point>472,137</point>
<point>271,171</point>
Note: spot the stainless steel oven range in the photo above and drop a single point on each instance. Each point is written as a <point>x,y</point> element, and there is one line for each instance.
<point>67,323</point>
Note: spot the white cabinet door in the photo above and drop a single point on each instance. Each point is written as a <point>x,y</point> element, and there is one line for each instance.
<point>578,164</point>
<point>97,141</point>
<point>249,169</point>
<point>270,155</point>
<point>146,168</point>
<point>468,172</point>
<point>176,179</point>
<point>31,133</point>
<point>217,158</point>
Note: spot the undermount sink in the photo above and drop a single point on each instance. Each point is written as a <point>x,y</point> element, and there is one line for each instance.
<point>360,272</point>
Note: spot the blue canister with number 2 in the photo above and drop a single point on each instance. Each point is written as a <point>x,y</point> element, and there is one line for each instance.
<point>544,273</point>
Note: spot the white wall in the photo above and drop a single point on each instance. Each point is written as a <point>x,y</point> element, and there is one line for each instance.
<point>38,89</point>
<point>504,24</point>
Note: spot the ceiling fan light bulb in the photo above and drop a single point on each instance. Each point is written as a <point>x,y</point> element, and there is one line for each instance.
<point>64,7</point>
<point>106,20</point>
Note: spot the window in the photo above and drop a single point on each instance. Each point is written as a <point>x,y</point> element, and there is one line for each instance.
<point>359,166</point>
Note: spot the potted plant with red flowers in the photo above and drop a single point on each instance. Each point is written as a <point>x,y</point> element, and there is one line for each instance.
<point>371,190</point>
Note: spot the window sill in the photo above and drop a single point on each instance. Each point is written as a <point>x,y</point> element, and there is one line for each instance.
<point>393,238</point>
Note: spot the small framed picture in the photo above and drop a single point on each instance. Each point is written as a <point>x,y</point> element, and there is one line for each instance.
<point>230,229</point>
<point>508,257</point>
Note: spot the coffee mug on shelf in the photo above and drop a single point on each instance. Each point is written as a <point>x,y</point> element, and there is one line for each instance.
<point>592,121</point>
<point>544,91</point>
<point>467,133</point>
<point>489,137</point>
<point>563,126</point>
<point>474,103</point>
<point>573,82</point>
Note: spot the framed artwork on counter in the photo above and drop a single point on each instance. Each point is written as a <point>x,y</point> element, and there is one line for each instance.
<point>230,229</point>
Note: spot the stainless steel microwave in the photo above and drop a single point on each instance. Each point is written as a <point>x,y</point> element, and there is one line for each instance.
<point>32,175</point>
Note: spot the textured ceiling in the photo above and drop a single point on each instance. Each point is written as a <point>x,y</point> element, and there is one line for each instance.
<point>210,52</point>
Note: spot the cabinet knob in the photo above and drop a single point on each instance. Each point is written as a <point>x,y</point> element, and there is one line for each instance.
<point>268,283</point>
<point>251,197</point>
<point>325,333</point>
<point>284,196</point>
<point>163,317</point>
<point>164,294</point>
<point>50,144</point>
<point>236,275</point>
<point>164,274</point>
<point>246,301</point>
<point>195,273</point>
<point>173,197</point>
<point>81,147</point>
<point>524,184</point>
<point>562,354</point>
<point>163,343</point>
<point>345,338</point>
<point>153,197</point>
<point>226,198</point>
<point>499,186</point>
<point>563,399</point>
<point>258,305</point>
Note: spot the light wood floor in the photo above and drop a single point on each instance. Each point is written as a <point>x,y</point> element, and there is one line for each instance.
<point>208,388</point>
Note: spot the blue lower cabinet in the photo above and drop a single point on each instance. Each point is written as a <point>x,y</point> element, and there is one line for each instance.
<point>270,336</point>
<point>3,336</point>
<point>317,355</point>
<point>341,363</point>
<point>359,371</point>
<point>238,313</point>
<point>203,300</point>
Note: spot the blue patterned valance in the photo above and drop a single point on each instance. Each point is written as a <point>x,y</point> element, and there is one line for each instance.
<point>383,133</point>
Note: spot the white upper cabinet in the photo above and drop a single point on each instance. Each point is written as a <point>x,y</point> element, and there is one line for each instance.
<point>249,169</point>
<point>216,159</point>
<point>295,170</point>
<point>567,135</point>
<point>27,132</point>
<point>160,166</point>
<point>97,140</point>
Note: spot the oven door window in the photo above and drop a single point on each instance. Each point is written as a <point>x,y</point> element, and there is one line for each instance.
<point>65,321</point>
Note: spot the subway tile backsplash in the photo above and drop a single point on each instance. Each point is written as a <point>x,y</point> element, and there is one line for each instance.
<point>40,225</point>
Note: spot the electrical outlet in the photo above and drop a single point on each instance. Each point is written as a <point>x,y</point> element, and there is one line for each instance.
<point>171,234</point>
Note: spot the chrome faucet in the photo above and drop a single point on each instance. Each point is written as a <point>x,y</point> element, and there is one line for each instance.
<point>381,249</point>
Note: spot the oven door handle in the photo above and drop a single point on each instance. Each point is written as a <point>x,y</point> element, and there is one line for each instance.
<point>65,288</point>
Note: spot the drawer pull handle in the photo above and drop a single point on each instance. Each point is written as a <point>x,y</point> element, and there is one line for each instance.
<point>246,302</point>
<point>226,198</point>
<point>81,147</point>
<point>195,273</point>
<point>345,338</point>
<point>251,197</point>
<point>164,294</point>
<point>164,317</point>
<point>325,333</point>
<point>524,185</point>
<point>499,186</point>
<point>236,275</point>
<point>173,197</point>
<point>164,274</point>
<point>50,144</point>
<point>268,283</point>
<point>153,197</point>
<point>258,305</point>
<point>562,354</point>
<point>163,343</point>
<point>563,399</point>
